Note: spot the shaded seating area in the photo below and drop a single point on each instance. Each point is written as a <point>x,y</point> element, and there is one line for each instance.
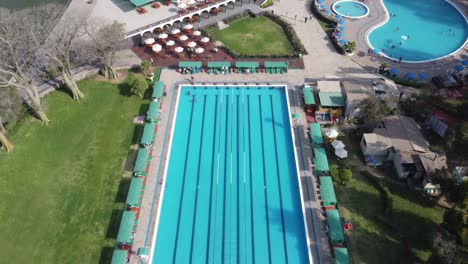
<point>190,67</point>
<point>158,90</point>
<point>119,256</point>
<point>327,192</point>
<point>153,114</point>
<point>247,66</point>
<point>316,134</point>
<point>127,230</point>
<point>275,67</point>
<point>341,255</point>
<point>335,232</point>
<point>321,161</point>
<point>148,135</point>
<point>219,67</point>
<point>135,193</point>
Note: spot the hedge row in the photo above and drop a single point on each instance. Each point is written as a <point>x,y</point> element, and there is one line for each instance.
<point>290,33</point>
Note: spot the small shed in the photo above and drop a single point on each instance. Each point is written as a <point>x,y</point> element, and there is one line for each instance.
<point>152,115</point>
<point>341,255</point>
<point>127,228</point>
<point>119,256</point>
<point>158,90</point>
<point>148,135</point>
<point>141,162</point>
<point>316,134</point>
<point>335,233</point>
<point>276,66</point>
<point>320,161</point>
<point>135,192</point>
<point>327,191</point>
<point>247,66</point>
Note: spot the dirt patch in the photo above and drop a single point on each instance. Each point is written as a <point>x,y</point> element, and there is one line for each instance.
<point>122,76</point>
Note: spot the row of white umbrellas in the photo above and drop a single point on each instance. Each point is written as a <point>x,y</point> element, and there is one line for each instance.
<point>165,36</point>
<point>158,48</point>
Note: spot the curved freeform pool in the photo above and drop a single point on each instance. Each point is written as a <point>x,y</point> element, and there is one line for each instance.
<point>419,30</point>
<point>350,9</point>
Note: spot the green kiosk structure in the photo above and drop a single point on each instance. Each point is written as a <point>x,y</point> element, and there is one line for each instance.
<point>135,193</point>
<point>190,67</point>
<point>335,233</point>
<point>219,67</point>
<point>316,135</point>
<point>147,138</point>
<point>274,67</point>
<point>247,66</point>
<point>152,115</point>
<point>327,192</point>
<point>158,90</point>
<point>321,162</point>
<point>141,162</point>
<point>341,255</point>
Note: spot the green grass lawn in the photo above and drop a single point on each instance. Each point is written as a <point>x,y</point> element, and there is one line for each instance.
<point>255,36</point>
<point>61,186</point>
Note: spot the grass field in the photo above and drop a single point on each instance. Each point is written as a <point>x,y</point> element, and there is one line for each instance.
<point>255,36</point>
<point>61,188</point>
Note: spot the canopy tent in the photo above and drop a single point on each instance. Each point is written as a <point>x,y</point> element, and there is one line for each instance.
<point>309,98</point>
<point>331,133</point>
<point>127,225</point>
<point>143,251</point>
<point>320,160</point>
<point>135,192</point>
<point>119,256</point>
<point>336,230</point>
<point>219,64</point>
<point>341,255</point>
<point>153,112</point>
<point>140,2</point>
<point>338,144</point>
<point>186,64</point>
<point>141,161</point>
<point>276,66</point>
<point>248,66</point>
<point>316,134</point>
<point>341,153</point>
<point>331,99</point>
<point>158,90</point>
<point>327,191</point>
<point>148,134</point>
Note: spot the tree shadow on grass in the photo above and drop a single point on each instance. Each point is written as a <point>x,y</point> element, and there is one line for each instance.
<point>106,255</point>
<point>123,189</point>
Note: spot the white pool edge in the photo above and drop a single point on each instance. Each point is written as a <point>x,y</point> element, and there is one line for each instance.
<point>387,17</point>
<point>179,88</point>
<point>352,17</point>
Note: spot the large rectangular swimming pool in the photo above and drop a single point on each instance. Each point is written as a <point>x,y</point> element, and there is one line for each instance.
<point>231,191</point>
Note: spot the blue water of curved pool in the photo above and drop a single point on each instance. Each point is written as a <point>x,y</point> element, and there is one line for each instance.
<point>434,29</point>
<point>350,9</point>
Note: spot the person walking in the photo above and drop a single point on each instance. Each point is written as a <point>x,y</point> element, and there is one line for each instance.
<point>192,80</point>
<point>305,21</point>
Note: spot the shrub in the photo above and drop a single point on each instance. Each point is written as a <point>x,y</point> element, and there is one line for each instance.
<point>145,67</point>
<point>345,176</point>
<point>139,86</point>
<point>266,4</point>
<point>290,33</point>
<point>335,172</point>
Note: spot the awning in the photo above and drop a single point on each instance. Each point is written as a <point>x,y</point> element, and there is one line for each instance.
<point>148,134</point>
<point>327,191</point>
<point>135,192</point>
<point>158,90</point>
<point>320,160</point>
<point>119,256</point>
<point>336,230</point>
<point>184,64</point>
<point>153,111</point>
<point>316,133</point>
<point>141,160</point>
<point>219,64</point>
<point>341,255</point>
<point>309,97</point>
<point>331,99</point>
<point>247,64</point>
<point>140,2</point>
<point>143,251</point>
<point>127,224</point>
<point>276,64</point>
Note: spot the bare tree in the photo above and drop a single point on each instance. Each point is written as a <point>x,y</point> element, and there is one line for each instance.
<point>104,42</point>
<point>18,52</point>
<point>10,104</point>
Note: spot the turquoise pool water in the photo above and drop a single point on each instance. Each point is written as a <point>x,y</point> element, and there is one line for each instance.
<point>434,29</point>
<point>351,9</point>
<point>231,192</point>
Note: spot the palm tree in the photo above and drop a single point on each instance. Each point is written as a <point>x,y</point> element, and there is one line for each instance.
<point>351,46</point>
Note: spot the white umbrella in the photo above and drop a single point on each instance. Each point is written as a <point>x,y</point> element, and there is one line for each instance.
<point>331,133</point>
<point>341,153</point>
<point>163,36</point>
<point>170,43</point>
<point>183,38</point>
<point>188,26</point>
<point>196,33</point>
<point>157,48</point>
<point>191,2</point>
<point>199,50</point>
<point>191,44</point>
<point>205,39</point>
<point>337,144</point>
<point>175,31</point>
<point>179,49</point>
<point>182,5</point>
<point>149,41</point>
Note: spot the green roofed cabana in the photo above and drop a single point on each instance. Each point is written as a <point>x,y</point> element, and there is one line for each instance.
<point>153,112</point>
<point>276,66</point>
<point>320,160</point>
<point>158,90</point>
<point>336,230</point>
<point>218,67</point>
<point>127,227</point>
<point>143,251</point>
<point>247,66</point>
<point>188,64</point>
<point>148,134</point>
<point>316,134</point>
<point>309,98</point>
<point>141,161</point>
<point>135,192</point>
<point>331,99</point>
<point>341,255</point>
<point>327,191</point>
<point>140,2</point>
<point>119,257</point>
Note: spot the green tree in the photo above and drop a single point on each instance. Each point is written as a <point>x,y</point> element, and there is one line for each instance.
<point>345,176</point>
<point>145,67</point>
<point>335,172</point>
<point>373,111</point>
<point>139,86</point>
<point>383,67</point>
<point>351,46</point>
